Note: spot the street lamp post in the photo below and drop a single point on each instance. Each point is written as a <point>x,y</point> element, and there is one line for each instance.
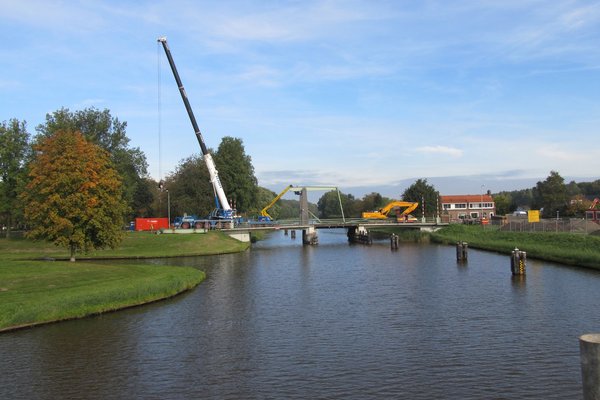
<point>169,207</point>
<point>481,203</point>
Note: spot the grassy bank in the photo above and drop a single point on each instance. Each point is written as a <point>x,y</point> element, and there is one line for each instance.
<point>404,235</point>
<point>35,292</point>
<point>135,245</point>
<point>565,248</point>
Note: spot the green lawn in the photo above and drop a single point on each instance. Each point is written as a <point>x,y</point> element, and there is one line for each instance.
<point>34,291</point>
<point>135,245</point>
<point>566,248</point>
<point>38,292</point>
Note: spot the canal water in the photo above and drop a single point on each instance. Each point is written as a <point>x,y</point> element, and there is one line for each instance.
<point>326,322</point>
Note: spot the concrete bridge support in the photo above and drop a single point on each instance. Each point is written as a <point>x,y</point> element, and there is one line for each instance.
<point>241,236</point>
<point>359,234</point>
<point>309,236</point>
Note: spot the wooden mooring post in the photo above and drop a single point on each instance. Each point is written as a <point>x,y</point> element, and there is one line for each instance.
<point>394,239</point>
<point>462,252</point>
<point>589,350</point>
<point>518,262</point>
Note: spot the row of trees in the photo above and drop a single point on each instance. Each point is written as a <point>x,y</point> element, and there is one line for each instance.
<point>189,188</point>
<point>79,173</point>
<point>420,191</point>
<point>552,196</point>
<point>78,180</point>
<point>97,127</point>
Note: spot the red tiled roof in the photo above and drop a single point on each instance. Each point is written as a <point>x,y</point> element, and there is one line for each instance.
<point>466,198</point>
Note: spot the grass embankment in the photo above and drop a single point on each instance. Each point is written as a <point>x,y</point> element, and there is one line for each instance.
<point>565,248</point>
<point>404,235</point>
<point>37,292</point>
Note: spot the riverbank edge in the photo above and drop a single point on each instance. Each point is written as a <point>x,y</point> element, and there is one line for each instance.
<point>160,294</point>
<point>122,258</point>
<point>560,249</point>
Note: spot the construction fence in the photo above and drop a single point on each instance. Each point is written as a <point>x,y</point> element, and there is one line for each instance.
<point>569,225</point>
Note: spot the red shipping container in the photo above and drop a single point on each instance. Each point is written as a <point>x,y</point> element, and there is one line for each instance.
<point>151,224</point>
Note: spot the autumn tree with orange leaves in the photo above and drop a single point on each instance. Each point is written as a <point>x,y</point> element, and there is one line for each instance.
<point>74,197</point>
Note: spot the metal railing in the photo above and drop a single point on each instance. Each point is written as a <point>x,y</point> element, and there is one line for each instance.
<point>569,225</point>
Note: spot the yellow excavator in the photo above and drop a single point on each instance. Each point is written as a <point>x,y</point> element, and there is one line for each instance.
<point>264,215</point>
<point>382,213</point>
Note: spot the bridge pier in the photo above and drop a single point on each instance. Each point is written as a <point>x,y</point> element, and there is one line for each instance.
<point>309,236</point>
<point>241,236</point>
<point>359,234</point>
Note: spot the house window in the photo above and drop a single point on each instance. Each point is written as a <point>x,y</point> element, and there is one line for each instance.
<point>460,205</point>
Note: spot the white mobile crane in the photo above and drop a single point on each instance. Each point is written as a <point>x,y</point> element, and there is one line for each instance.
<point>223,209</point>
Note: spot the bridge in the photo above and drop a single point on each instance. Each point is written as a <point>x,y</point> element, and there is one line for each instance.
<point>357,228</point>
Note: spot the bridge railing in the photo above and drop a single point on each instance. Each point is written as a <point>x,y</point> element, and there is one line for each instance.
<point>291,222</point>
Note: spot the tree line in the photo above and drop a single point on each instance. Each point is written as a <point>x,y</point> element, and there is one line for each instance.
<point>552,196</point>
<point>78,175</point>
<point>419,192</point>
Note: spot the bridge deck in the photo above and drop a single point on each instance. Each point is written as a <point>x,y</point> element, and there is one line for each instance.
<point>336,224</point>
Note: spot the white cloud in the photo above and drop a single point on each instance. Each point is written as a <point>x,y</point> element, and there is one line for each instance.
<point>580,17</point>
<point>444,150</point>
<point>261,75</point>
<point>297,22</point>
<point>54,15</point>
<point>554,152</point>
<point>86,103</point>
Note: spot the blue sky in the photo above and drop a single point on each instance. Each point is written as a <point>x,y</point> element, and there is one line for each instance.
<point>363,95</point>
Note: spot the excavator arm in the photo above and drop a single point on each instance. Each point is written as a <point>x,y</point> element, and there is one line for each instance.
<point>382,213</point>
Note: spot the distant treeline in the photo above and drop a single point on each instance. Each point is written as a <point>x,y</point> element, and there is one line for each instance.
<point>552,196</point>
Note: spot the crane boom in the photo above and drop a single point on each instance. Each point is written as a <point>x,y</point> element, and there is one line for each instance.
<point>264,215</point>
<point>223,207</point>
